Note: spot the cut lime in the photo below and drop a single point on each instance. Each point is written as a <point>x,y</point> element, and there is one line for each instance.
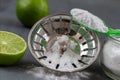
<point>12,48</point>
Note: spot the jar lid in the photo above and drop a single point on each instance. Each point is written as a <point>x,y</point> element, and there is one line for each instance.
<point>116,38</point>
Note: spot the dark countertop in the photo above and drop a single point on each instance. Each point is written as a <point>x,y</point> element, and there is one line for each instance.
<point>108,10</point>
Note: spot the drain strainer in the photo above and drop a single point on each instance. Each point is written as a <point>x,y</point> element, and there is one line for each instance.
<point>61,44</point>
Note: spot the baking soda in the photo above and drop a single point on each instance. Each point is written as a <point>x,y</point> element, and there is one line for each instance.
<point>56,56</point>
<point>46,74</point>
<point>89,19</point>
<point>111,57</point>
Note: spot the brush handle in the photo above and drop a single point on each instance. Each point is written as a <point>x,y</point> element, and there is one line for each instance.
<point>113,32</point>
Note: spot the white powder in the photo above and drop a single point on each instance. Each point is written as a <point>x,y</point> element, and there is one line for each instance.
<point>53,54</point>
<point>89,19</point>
<point>111,57</point>
<point>41,73</point>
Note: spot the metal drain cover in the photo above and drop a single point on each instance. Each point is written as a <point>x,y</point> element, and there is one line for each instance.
<point>61,44</point>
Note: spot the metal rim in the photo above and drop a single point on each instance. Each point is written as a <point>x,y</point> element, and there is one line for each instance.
<point>30,46</point>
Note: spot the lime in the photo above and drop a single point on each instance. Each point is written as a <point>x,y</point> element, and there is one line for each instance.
<point>30,11</point>
<point>12,48</point>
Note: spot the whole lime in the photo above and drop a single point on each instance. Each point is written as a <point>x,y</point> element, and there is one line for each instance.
<point>30,11</point>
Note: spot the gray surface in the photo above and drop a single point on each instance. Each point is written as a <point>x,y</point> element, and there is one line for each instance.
<point>108,10</point>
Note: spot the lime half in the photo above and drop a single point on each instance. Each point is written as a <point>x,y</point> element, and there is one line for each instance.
<point>12,48</point>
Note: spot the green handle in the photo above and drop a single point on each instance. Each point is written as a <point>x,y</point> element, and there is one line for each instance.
<point>113,32</point>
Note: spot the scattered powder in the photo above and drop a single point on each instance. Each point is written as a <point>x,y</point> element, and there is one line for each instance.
<point>89,19</point>
<point>46,74</point>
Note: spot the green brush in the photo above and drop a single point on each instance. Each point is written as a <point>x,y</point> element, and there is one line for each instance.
<point>77,12</point>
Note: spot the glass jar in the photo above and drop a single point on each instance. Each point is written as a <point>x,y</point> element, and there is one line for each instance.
<point>111,58</point>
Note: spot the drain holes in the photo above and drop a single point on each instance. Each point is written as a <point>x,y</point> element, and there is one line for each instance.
<point>83,35</point>
<point>87,49</point>
<point>50,62</point>
<point>43,57</point>
<point>38,43</point>
<point>51,25</point>
<point>80,61</point>
<point>40,36</point>
<point>57,66</point>
<point>39,50</point>
<point>74,65</point>
<point>87,41</point>
<point>87,56</point>
<point>44,29</point>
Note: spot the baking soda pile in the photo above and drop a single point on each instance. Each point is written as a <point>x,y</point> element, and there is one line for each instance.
<point>61,52</point>
<point>89,19</point>
<point>111,57</point>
